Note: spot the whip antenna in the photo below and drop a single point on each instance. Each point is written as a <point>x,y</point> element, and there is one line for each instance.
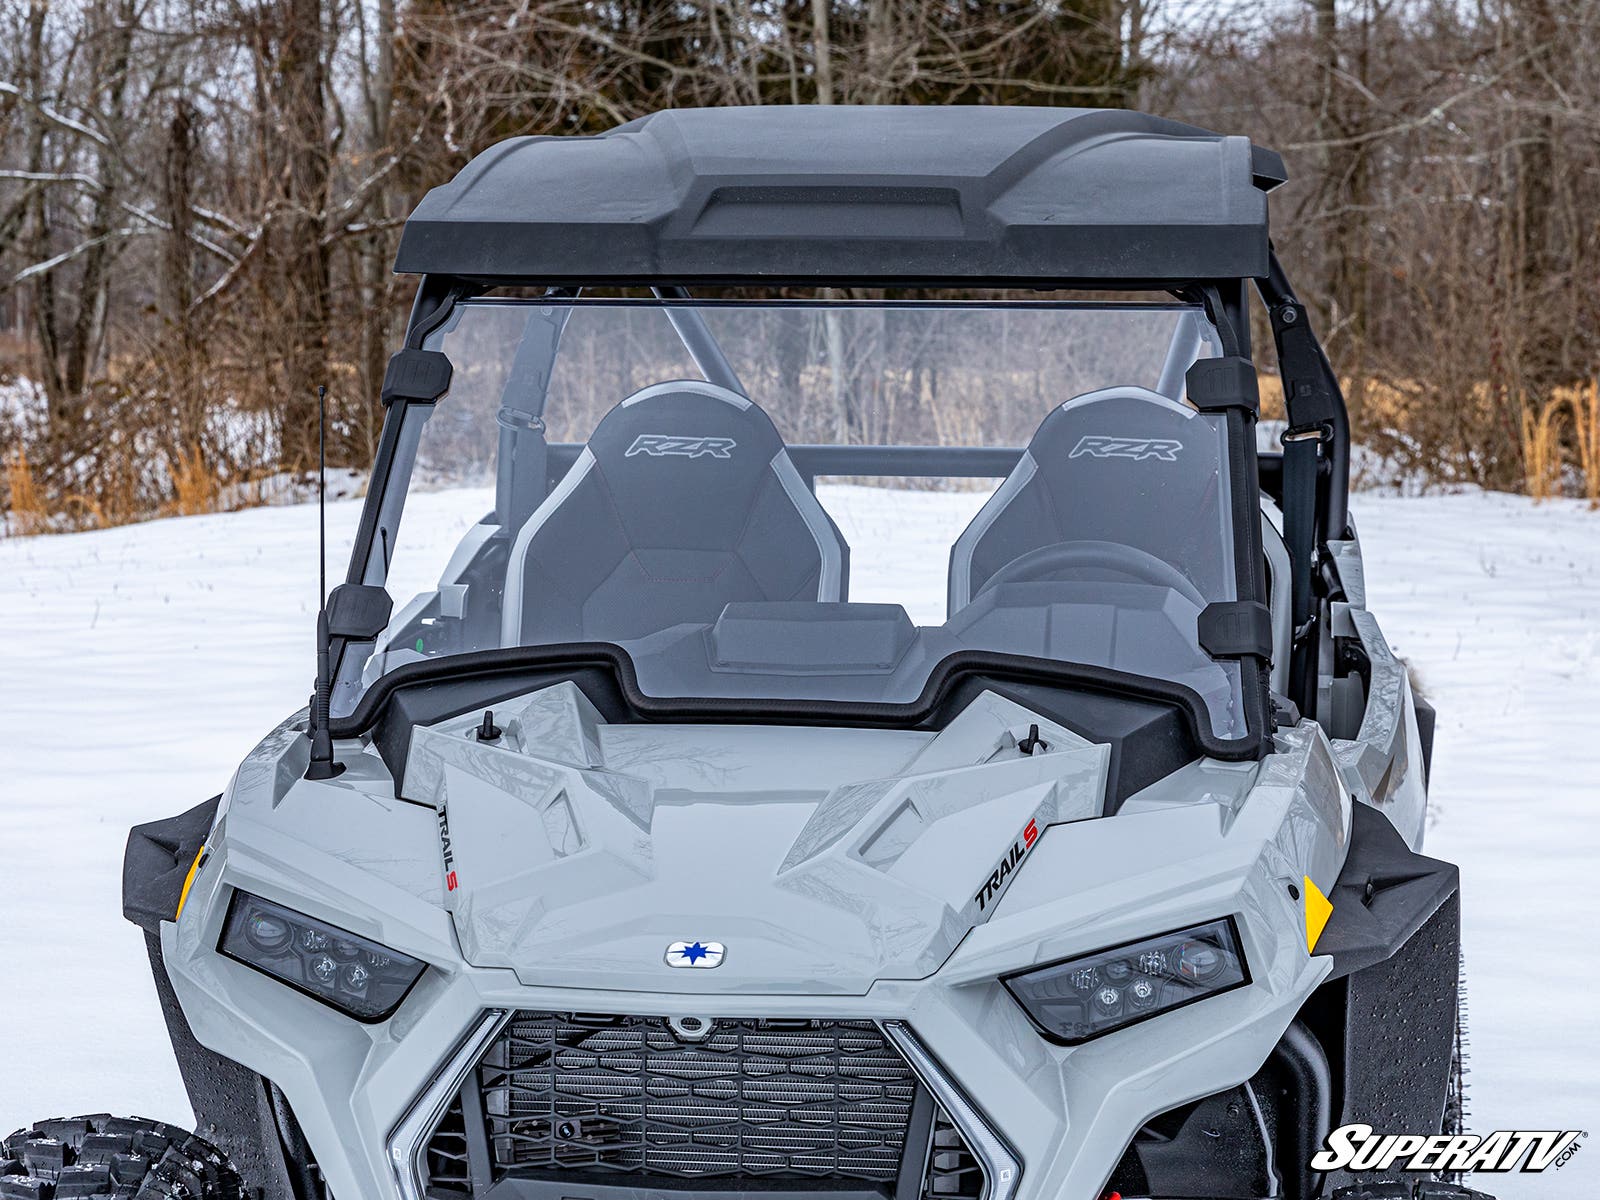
<point>322,765</point>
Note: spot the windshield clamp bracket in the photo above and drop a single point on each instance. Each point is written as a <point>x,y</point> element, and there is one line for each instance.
<point>1218,384</point>
<point>1236,629</point>
<point>416,375</point>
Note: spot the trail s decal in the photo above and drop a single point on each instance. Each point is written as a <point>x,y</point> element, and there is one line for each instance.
<point>1019,850</point>
<point>1138,449</point>
<point>1359,1148</point>
<point>661,445</point>
<point>450,882</point>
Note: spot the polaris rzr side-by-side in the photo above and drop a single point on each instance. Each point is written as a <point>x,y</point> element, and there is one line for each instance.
<point>772,742</point>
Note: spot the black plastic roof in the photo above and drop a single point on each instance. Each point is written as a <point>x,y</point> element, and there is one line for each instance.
<point>856,194</point>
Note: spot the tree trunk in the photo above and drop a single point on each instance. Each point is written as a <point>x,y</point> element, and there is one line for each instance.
<point>377,282</point>
<point>182,348</point>
<point>38,236</point>
<point>822,53</point>
<point>296,132</point>
<point>108,78</point>
<point>1343,126</point>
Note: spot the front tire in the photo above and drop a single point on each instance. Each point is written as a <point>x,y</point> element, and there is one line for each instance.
<point>115,1158</point>
<point>1427,1189</point>
<point>1455,1107</point>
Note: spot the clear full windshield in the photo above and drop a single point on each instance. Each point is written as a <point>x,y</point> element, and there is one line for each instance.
<point>817,501</point>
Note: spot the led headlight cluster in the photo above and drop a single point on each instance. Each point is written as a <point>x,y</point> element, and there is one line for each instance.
<point>330,964</point>
<point>1084,997</point>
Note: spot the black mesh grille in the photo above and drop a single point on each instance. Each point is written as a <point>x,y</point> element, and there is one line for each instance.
<point>765,1099</point>
<point>953,1170</point>
<point>448,1172</point>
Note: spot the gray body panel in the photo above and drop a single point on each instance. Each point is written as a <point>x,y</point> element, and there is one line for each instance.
<point>805,830</point>
<point>827,859</point>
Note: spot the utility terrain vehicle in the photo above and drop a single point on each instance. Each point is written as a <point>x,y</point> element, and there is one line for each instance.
<point>857,716</point>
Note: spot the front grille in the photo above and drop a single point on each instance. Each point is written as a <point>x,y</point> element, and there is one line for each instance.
<point>954,1172</point>
<point>770,1099</point>
<point>446,1160</point>
<point>758,1105</point>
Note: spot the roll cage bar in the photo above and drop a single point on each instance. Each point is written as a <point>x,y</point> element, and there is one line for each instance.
<point>1310,478</point>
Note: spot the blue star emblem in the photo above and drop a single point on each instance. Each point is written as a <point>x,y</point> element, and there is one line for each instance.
<point>703,955</point>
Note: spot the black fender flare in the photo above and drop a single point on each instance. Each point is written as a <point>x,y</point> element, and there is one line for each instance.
<point>157,861</point>
<point>1385,893</point>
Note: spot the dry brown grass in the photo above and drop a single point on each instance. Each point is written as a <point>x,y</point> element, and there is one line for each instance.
<point>28,515</point>
<point>1587,424</point>
<point>1557,436</point>
<point>1271,397</point>
<point>196,487</point>
<point>1542,449</point>
<point>1549,452</point>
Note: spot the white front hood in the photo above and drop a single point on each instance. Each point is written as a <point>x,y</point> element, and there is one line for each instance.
<point>575,853</point>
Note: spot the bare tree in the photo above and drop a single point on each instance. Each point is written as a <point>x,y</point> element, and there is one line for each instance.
<point>199,201</point>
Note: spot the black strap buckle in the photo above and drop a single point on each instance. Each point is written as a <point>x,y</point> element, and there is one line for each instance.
<point>1321,432</point>
<point>514,418</point>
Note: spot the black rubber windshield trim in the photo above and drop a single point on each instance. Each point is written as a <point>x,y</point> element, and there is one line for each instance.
<point>945,677</point>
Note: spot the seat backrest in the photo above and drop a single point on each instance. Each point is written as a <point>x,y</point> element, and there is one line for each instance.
<point>683,501</point>
<point>1123,465</point>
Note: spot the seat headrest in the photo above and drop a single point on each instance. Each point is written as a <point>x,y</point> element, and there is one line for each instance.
<point>1107,431</point>
<point>1133,449</point>
<point>1124,465</point>
<point>703,445</point>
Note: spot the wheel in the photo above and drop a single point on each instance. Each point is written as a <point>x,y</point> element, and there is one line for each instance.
<point>1455,1121</point>
<point>1455,1108</point>
<point>84,1158</point>
<point>1427,1189</point>
<point>1455,1104</point>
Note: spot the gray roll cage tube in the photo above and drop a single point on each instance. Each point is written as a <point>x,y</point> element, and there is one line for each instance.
<point>1312,478</point>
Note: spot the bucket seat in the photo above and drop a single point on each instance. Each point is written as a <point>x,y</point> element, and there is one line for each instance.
<point>683,501</point>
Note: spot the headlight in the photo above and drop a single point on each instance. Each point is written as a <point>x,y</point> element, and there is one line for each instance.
<point>1084,997</point>
<point>327,963</point>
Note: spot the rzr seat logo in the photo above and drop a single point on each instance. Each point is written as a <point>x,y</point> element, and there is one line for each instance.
<point>1013,859</point>
<point>1359,1148</point>
<point>1138,449</point>
<point>661,445</point>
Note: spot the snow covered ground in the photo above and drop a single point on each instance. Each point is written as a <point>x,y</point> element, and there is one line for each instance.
<point>144,662</point>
